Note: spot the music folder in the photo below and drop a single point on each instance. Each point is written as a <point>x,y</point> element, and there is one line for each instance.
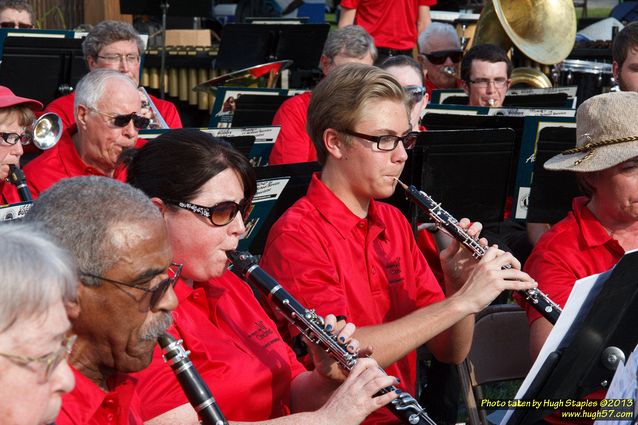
<point>596,328</point>
<point>278,187</point>
<point>467,171</point>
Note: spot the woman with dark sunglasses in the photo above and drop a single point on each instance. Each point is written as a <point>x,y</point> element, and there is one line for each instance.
<point>203,188</point>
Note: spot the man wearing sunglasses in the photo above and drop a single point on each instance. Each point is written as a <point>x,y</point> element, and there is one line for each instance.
<point>125,297</point>
<point>38,277</point>
<point>338,249</point>
<point>115,45</point>
<point>17,14</point>
<point>107,110</point>
<point>440,56</point>
<point>486,73</point>
<point>344,45</point>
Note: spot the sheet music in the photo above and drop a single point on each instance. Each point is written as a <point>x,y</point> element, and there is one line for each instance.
<point>14,211</point>
<point>578,304</point>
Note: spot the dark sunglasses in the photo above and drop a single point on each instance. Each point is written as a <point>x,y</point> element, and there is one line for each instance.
<point>122,121</point>
<point>437,58</point>
<point>8,24</point>
<point>157,292</point>
<point>219,214</point>
<point>416,93</point>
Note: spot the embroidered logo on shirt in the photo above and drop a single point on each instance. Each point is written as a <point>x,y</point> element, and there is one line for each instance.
<point>393,271</point>
<point>263,333</point>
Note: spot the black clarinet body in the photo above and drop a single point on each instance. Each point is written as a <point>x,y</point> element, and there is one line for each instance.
<point>311,325</point>
<point>535,297</point>
<point>17,178</point>
<point>194,387</point>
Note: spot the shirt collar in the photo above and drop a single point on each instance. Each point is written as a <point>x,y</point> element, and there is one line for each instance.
<point>594,234</point>
<point>336,212</point>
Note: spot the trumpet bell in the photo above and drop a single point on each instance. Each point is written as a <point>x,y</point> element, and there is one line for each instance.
<point>47,130</point>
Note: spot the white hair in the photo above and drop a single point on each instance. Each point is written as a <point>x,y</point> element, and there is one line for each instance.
<point>35,273</point>
<point>437,29</point>
<point>90,88</point>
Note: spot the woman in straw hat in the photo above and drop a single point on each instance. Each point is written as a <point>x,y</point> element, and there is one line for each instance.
<point>603,224</point>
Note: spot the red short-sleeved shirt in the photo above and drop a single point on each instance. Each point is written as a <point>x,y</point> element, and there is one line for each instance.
<point>369,270</point>
<point>63,106</point>
<point>59,162</point>
<point>234,346</point>
<point>392,24</point>
<point>293,143</point>
<point>576,247</point>
<point>88,404</point>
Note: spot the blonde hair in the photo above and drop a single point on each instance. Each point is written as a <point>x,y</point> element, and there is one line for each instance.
<point>340,100</point>
<point>24,114</point>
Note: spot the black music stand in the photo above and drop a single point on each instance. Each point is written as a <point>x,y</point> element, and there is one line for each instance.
<point>581,363</point>
<point>552,191</point>
<point>550,100</point>
<point>246,45</point>
<point>256,110</point>
<point>24,58</point>
<point>467,171</point>
<point>266,211</point>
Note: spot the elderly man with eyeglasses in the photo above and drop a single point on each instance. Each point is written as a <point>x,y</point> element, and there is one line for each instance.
<point>486,72</point>
<point>440,56</point>
<point>107,111</point>
<point>37,278</point>
<point>116,45</point>
<point>125,297</point>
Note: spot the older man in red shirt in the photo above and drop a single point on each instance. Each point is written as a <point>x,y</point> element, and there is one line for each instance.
<point>115,45</point>
<point>107,109</point>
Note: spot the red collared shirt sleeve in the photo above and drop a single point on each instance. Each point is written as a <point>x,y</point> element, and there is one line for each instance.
<point>293,143</point>
<point>576,247</point>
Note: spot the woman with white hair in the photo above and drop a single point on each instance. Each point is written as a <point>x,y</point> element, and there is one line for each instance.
<point>38,278</point>
<point>603,224</point>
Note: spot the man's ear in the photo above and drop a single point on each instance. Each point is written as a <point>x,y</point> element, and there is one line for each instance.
<point>615,70</point>
<point>91,62</point>
<point>333,143</point>
<point>161,205</point>
<point>324,63</point>
<point>81,113</point>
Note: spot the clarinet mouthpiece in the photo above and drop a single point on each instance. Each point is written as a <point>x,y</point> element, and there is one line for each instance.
<point>403,185</point>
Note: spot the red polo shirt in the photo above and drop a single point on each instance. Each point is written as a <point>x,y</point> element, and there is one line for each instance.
<point>576,247</point>
<point>235,347</point>
<point>369,270</point>
<point>88,404</point>
<point>293,143</point>
<point>392,24</point>
<point>63,106</point>
<point>59,162</point>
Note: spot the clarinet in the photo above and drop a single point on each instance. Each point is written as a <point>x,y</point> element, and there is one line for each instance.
<point>311,325</point>
<point>17,178</point>
<point>192,383</point>
<point>535,297</point>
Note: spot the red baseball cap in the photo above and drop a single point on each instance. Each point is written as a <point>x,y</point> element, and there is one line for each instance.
<point>7,98</point>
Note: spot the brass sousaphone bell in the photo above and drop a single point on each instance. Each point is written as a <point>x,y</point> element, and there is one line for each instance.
<point>543,30</point>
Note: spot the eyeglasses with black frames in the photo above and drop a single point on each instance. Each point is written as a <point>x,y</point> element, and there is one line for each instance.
<point>121,121</point>
<point>439,57</point>
<point>20,25</point>
<point>13,138</point>
<point>156,292</point>
<point>219,214</point>
<point>388,142</point>
<point>49,362</point>
<point>484,82</point>
<point>116,59</point>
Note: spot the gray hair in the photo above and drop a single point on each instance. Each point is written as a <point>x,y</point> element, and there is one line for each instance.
<point>19,5</point>
<point>90,88</point>
<point>437,29</point>
<point>80,212</point>
<point>108,32</point>
<point>352,41</point>
<point>35,273</point>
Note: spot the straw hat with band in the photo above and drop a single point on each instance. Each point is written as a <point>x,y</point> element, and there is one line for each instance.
<point>7,99</point>
<point>606,134</point>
